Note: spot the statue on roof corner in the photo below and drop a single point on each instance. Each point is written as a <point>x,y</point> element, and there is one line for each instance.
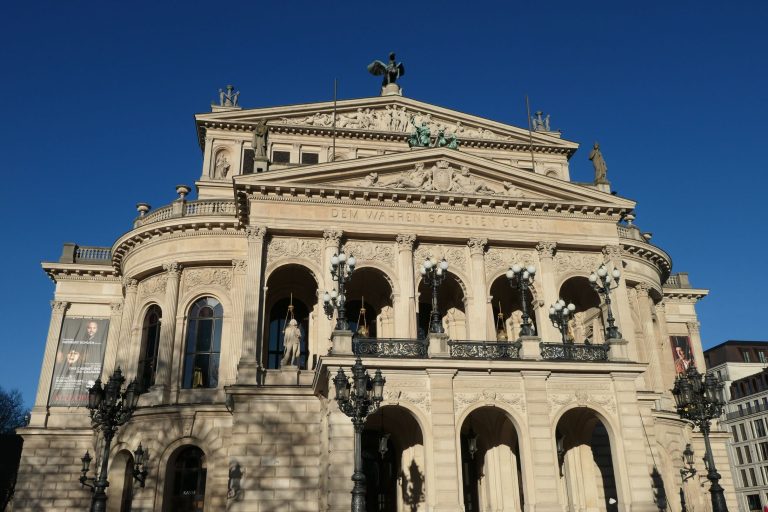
<point>391,72</point>
<point>228,98</point>
<point>598,162</point>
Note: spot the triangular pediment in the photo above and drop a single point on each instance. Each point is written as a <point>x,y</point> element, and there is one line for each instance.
<point>387,114</point>
<point>435,171</point>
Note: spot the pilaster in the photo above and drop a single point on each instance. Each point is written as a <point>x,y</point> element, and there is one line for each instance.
<point>645,304</point>
<point>113,339</point>
<point>239,269</point>
<point>479,327</point>
<point>331,243</point>
<point>40,410</point>
<point>250,355</point>
<point>447,460</point>
<point>405,306</point>
<point>168,329</point>
<point>549,292</point>
<point>620,300</point>
<point>123,359</point>
<point>694,332</point>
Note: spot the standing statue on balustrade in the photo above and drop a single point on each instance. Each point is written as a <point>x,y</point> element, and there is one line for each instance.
<point>291,344</point>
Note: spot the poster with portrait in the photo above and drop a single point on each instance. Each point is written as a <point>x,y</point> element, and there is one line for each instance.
<point>78,360</point>
<point>682,353</point>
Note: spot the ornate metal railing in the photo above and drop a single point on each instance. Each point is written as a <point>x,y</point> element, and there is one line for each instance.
<point>573,352</point>
<point>389,347</point>
<point>218,207</point>
<point>468,349</point>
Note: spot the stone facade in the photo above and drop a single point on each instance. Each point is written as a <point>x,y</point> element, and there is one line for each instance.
<point>587,427</point>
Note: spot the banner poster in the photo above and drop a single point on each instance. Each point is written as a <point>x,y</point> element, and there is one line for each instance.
<point>682,353</point>
<point>78,360</point>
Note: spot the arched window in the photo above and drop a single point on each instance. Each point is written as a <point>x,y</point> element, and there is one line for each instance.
<point>150,342</point>
<point>203,345</point>
<point>187,481</point>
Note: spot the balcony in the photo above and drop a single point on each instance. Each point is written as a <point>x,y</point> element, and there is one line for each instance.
<point>73,253</point>
<point>574,352</point>
<point>491,350</point>
<point>390,347</point>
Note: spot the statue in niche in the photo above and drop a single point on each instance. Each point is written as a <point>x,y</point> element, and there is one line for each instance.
<point>221,168</point>
<point>513,324</point>
<point>598,162</point>
<point>391,70</point>
<point>229,97</point>
<point>259,141</point>
<point>291,344</point>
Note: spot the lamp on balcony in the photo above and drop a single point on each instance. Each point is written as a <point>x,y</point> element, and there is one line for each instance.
<point>521,277</point>
<point>603,282</point>
<point>433,272</point>
<point>341,272</point>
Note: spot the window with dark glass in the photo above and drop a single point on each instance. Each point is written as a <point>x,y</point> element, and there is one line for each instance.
<point>764,450</point>
<point>748,453</point>
<point>744,477</point>
<point>150,343</point>
<point>745,355</point>
<point>743,432</point>
<point>760,427</point>
<point>309,158</point>
<point>739,455</point>
<point>203,344</point>
<point>248,155</point>
<point>187,481</point>
<point>281,157</point>
<point>753,502</point>
<point>752,475</point>
<point>735,434</point>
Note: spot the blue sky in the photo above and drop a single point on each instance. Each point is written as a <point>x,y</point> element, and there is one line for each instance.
<point>98,99</point>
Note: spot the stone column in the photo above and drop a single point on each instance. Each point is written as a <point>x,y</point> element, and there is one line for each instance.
<point>620,300</point>
<point>39,411</point>
<point>695,336</point>
<point>168,329</point>
<point>332,240</point>
<point>478,321</point>
<point>549,293</point>
<point>447,462</point>
<point>113,340</point>
<point>129,305</point>
<point>645,304</point>
<point>405,309</point>
<point>665,356</point>
<point>239,269</point>
<point>250,356</point>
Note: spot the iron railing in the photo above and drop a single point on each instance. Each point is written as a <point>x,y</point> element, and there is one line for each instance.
<point>390,347</point>
<point>573,352</point>
<point>469,349</point>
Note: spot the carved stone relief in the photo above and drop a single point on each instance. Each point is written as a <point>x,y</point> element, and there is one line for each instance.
<point>153,285</point>
<point>456,256</point>
<point>370,251</point>
<point>501,258</point>
<point>195,277</point>
<point>463,400</point>
<point>419,399</point>
<point>576,262</point>
<point>293,248</point>
<point>581,397</point>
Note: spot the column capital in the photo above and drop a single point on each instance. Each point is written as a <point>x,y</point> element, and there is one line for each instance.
<point>59,307</point>
<point>642,289</point>
<point>131,284</point>
<point>255,233</point>
<point>332,237</point>
<point>661,307</point>
<point>173,268</point>
<point>693,327</point>
<point>116,308</point>
<point>546,249</point>
<point>239,266</point>
<point>477,245</point>
<point>405,241</point>
<point>612,252</point>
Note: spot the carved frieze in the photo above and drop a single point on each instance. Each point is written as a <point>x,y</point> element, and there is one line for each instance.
<point>581,397</point>
<point>455,256</point>
<point>419,399</point>
<point>393,119</point>
<point>370,251</point>
<point>293,248</point>
<point>566,262</point>
<point>153,285</point>
<point>501,258</point>
<point>463,400</point>
<point>195,277</point>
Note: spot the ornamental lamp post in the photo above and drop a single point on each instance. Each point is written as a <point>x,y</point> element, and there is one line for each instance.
<point>699,399</point>
<point>341,272</point>
<point>603,282</point>
<point>521,277</point>
<point>358,399</point>
<point>559,313</point>
<point>689,471</point>
<point>110,408</point>
<point>433,272</point>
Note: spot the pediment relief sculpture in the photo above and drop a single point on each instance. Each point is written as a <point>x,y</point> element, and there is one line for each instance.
<point>393,119</point>
<point>441,177</point>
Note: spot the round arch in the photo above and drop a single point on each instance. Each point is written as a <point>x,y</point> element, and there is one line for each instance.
<point>310,265</point>
<point>163,468</point>
<point>120,477</point>
<point>453,302</point>
<point>586,325</point>
<point>506,300</point>
<point>371,284</point>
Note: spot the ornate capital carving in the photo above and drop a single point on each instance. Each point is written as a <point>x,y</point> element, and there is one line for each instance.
<point>642,289</point>
<point>239,266</point>
<point>661,307</point>
<point>255,233</point>
<point>405,241</point>
<point>116,308</point>
<point>332,237</point>
<point>612,252</point>
<point>173,268</point>
<point>546,249</point>
<point>59,306</point>
<point>131,285</point>
<point>477,245</point>
<point>693,327</point>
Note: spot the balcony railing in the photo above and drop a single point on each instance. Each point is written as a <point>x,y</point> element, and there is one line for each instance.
<point>468,349</point>
<point>746,411</point>
<point>390,347</point>
<point>216,207</point>
<point>73,253</point>
<point>573,352</point>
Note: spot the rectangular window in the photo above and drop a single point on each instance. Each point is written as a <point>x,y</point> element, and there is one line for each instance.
<point>749,408</point>
<point>281,157</point>
<point>765,402</point>
<point>745,355</point>
<point>764,450</point>
<point>310,158</point>
<point>752,476</point>
<point>753,502</point>
<point>744,481</point>
<point>760,427</point>
<point>743,432</point>
<point>739,456</point>
<point>735,434</point>
<point>248,161</point>
<point>748,453</point>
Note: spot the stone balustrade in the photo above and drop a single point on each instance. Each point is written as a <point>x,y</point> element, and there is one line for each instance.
<point>181,208</point>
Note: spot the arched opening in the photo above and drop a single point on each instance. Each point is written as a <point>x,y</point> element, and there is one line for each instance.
<point>150,343</point>
<point>586,324</point>
<point>393,461</point>
<point>377,320</point>
<point>185,483</point>
<point>291,295</point>
<point>203,346</point>
<point>587,477</point>
<point>490,462</point>
<point>120,482</point>
<point>450,302</point>
<point>508,301</point>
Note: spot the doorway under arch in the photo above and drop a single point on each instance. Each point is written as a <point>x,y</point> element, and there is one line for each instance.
<point>377,321</point>
<point>507,300</point>
<point>450,302</point>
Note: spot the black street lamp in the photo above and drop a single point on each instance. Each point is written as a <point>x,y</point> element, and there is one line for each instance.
<point>521,277</point>
<point>603,282</point>
<point>559,313</point>
<point>110,408</point>
<point>341,272</point>
<point>433,272</point>
<point>357,400</point>
<point>688,472</point>
<point>699,399</point>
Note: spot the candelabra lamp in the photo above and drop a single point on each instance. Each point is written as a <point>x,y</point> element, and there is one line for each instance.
<point>433,272</point>
<point>358,399</point>
<point>603,282</point>
<point>559,314</point>
<point>699,399</point>
<point>521,277</point>
<point>341,272</point>
<point>110,408</point>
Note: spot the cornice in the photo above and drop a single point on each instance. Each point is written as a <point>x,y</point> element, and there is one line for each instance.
<point>647,253</point>
<point>80,272</point>
<point>684,294</point>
